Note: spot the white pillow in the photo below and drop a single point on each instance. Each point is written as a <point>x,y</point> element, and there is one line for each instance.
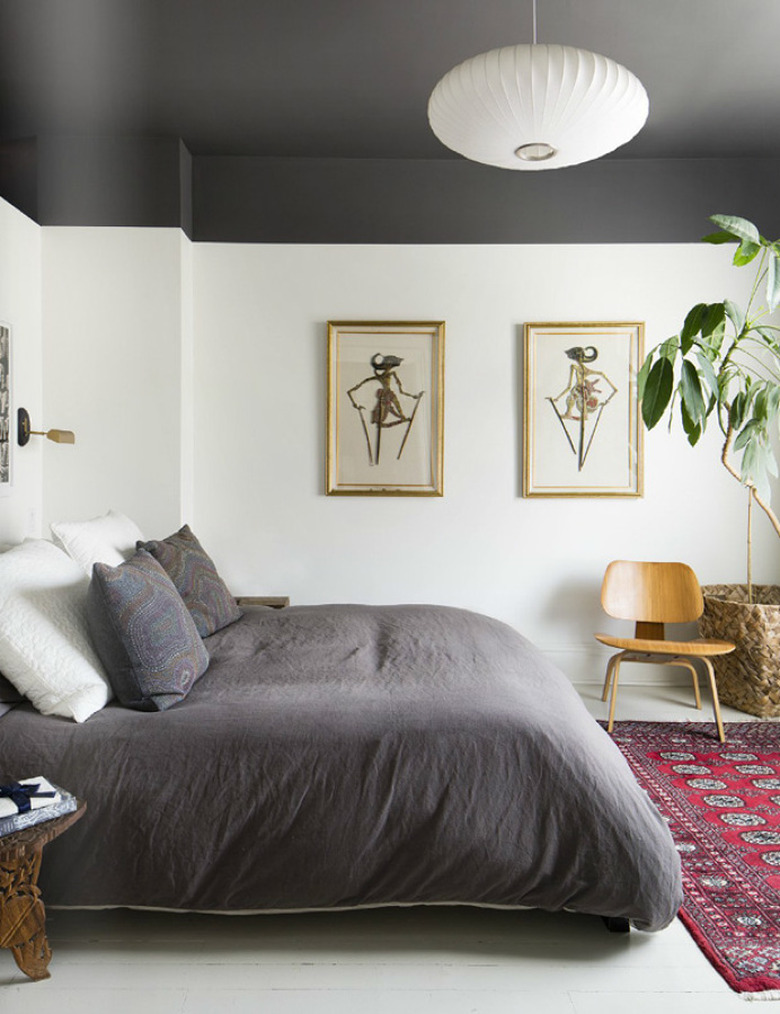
<point>108,539</point>
<point>45,650</point>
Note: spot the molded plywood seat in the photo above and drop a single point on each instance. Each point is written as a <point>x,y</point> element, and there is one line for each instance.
<point>653,594</point>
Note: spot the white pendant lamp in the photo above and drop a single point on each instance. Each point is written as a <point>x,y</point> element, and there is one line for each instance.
<point>537,106</point>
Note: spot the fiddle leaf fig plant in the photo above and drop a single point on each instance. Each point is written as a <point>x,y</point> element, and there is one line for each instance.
<point>724,368</point>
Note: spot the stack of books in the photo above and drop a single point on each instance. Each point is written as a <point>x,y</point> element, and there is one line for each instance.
<point>31,801</point>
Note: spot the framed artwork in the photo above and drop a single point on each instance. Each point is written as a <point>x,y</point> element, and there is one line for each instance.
<point>5,409</point>
<point>582,433</point>
<point>385,408</point>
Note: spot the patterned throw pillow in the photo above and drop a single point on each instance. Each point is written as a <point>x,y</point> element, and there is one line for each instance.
<point>144,634</point>
<point>193,572</point>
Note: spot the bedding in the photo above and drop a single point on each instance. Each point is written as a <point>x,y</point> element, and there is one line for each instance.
<point>193,573</point>
<point>9,695</point>
<point>45,650</point>
<point>8,692</point>
<point>110,538</point>
<point>144,634</point>
<point>344,756</point>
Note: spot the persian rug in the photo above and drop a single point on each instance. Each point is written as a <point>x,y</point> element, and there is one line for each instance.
<point>722,802</point>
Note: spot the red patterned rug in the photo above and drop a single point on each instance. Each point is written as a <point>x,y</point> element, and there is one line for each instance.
<point>722,801</point>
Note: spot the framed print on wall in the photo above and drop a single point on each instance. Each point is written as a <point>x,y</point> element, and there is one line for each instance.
<point>582,433</point>
<point>5,409</point>
<point>385,408</point>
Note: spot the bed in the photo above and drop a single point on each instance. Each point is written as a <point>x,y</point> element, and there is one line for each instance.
<point>341,756</point>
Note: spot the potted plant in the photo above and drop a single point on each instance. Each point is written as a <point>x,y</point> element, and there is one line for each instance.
<point>723,368</point>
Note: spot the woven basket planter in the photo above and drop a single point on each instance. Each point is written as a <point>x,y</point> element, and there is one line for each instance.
<point>748,678</point>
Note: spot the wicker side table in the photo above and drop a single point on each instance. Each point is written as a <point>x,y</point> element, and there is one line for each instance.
<point>22,915</point>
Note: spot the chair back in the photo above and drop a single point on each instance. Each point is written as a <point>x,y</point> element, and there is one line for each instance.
<point>651,592</point>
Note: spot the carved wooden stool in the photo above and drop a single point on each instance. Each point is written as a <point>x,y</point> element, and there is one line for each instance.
<point>22,915</point>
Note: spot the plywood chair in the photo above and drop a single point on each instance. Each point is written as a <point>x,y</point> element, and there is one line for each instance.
<point>653,594</point>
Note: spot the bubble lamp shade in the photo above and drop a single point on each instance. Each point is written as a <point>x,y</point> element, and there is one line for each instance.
<point>537,107</point>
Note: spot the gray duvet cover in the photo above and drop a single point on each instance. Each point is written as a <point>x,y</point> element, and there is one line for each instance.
<point>340,756</point>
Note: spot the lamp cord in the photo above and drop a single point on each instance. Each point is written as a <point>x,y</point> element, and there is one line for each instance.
<point>534,19</point>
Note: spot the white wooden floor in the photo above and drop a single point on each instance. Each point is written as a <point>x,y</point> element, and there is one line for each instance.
<point>391,961</point>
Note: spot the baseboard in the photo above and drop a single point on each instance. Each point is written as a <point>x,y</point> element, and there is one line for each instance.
<point>585,664</point>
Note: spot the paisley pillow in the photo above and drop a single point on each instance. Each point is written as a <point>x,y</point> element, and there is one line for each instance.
<point>143,634</point>
<point>193,572</point>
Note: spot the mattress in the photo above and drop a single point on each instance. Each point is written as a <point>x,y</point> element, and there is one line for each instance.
<point>340,756</point>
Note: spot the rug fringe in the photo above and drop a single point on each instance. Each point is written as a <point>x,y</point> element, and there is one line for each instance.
<point>768,994</point>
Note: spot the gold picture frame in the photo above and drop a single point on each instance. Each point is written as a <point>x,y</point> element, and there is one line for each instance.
<point>385,408</point>
<point>582,432</point>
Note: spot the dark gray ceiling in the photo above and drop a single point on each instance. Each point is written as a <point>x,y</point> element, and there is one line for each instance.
<point>306,120</point>
<point>351,78</point>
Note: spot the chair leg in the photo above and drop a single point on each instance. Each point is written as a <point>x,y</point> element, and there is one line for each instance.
<point>696,692</point>
<point>715,701</point>
<point>608,677</point>
<point>615,663</point>
<point>687,664</point>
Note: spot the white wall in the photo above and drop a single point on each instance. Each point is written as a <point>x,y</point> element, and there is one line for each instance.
<point>20,306</point>
<point>260,315</point>
<point>112,325</point>
<point>194,377</point>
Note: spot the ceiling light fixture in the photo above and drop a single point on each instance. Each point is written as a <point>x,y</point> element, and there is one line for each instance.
<point>537,107</point>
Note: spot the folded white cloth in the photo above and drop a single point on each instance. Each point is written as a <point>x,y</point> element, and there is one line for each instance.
<point>15,796</point>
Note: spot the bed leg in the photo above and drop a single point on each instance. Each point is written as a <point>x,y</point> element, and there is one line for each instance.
<point>616,923</point>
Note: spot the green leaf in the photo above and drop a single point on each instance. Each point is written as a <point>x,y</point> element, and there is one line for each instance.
<point>735,314</point>
<point>760,406</point>
<point>726,376</point>
<point>770,336</point>
<point>751,443</point>
<point>737,413</point>
<point>641,379</point>
<point>714,319</point>
<point>739,227</point>
<point>692,325</point>
<point>755,462</point>
<point>658,391</point>
<point>692,429</point>
<point>773,282</point>
<point>669,348</point>
<point>719,237</point>
<point>746,434</point>
<point>773,401</point>
<point>686,343</point>
<point>690,389</point>
<point>708,371</point>
<point>745,253</point>
<point>748,462</point>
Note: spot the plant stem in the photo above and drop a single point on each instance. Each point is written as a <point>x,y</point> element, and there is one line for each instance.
<point>765,507</point>
<point>761,363</point>
<point>760,274</point>
<point>750,547</point>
